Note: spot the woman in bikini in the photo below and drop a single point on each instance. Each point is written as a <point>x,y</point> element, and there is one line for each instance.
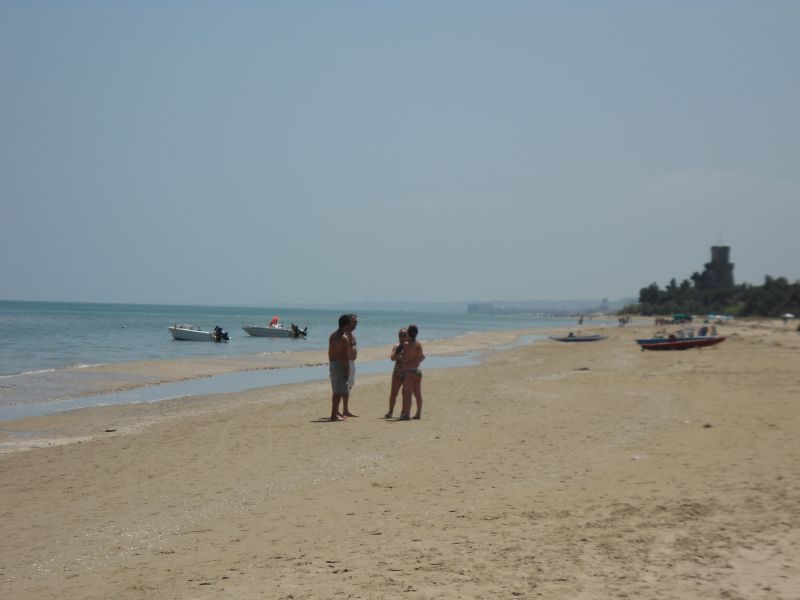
<point>412,376</point>
<point>397,373</point>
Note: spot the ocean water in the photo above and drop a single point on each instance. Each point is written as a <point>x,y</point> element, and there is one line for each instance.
<point>45,341</point>
<point>52,335</point>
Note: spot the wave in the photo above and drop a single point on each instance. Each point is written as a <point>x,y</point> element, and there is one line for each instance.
<point>24,373</point>
<point>55,370</point>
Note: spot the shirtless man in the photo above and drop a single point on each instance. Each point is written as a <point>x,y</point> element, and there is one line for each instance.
<point>339,364</point>
<point>412,376</point>
<point>352,354</point>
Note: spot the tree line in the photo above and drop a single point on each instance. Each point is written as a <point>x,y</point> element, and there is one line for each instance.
<point>772,299</point>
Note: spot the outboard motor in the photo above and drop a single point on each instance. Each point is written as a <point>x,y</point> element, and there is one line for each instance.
<point>220,335</point>
<point>297,332</point>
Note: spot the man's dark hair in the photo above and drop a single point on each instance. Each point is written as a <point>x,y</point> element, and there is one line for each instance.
<point>413,330</point>
<point>344,321</point>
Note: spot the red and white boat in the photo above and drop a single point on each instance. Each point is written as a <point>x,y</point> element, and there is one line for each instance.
<point>682,340</point>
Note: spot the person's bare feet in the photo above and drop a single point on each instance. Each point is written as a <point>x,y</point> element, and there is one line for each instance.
<point>349,414</point>
<point>417,417</point>
<point>336,418</point>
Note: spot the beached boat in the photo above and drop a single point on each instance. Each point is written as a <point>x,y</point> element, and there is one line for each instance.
<point>277,331</point>
<point>190,333</point>
<point>578,338</point>
<point>682,340</point>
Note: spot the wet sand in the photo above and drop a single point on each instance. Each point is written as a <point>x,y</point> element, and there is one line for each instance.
<point>550,470</point>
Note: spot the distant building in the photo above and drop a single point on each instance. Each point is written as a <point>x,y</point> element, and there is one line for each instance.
<point>718,273</point>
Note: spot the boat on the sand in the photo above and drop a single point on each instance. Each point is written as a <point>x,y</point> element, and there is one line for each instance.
<point>683,340</point>
<point>571,337</point>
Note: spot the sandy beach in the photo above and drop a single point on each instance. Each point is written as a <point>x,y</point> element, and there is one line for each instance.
<point>550,470</point>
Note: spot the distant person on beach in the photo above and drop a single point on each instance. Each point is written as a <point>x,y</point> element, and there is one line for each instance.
<point>352,353</point>
<point>339,365</point>
<point>412,376</point>
<point>397,373</point>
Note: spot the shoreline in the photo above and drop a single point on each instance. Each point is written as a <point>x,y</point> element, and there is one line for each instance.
<point>565,471</point>
<point>60,427</point>
<point>70,336</point>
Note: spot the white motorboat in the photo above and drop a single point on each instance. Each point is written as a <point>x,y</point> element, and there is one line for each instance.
<point>278,331</point>
<point>191,333</point>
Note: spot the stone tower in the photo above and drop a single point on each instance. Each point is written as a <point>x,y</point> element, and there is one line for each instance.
<point>719,272</point>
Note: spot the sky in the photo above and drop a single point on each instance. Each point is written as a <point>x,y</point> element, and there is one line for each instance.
<point>278,152</point>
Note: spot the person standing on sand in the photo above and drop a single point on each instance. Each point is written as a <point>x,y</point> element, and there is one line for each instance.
<point>412,376</point>
<point>352,353</point>
<point>339,365</point>
<point>397,373</point>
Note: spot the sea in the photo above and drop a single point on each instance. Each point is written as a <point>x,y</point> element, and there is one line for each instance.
<point>43,342</point>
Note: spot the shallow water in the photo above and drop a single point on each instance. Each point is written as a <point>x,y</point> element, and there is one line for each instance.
<point>39,336</point>
<point>219,384</point>
<point>47,346</point>
<point>230,383</point>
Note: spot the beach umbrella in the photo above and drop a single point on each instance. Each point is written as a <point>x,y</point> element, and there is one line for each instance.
<point>788,316</point>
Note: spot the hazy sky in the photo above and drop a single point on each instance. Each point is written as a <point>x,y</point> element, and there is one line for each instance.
<point>245,152</point>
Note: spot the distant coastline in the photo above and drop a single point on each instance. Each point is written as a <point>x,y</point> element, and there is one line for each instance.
<point>519,308</point>
<point>557,308</point>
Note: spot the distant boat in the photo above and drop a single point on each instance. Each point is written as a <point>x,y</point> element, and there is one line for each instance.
<point>190,333</point>
<point>578,338</point>
<point>277,331</point>
<point>682,340</point>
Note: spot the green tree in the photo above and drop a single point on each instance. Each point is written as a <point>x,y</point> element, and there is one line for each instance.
<point>650,295</point>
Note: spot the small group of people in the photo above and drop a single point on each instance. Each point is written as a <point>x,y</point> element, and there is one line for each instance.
<point>407,356</point>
